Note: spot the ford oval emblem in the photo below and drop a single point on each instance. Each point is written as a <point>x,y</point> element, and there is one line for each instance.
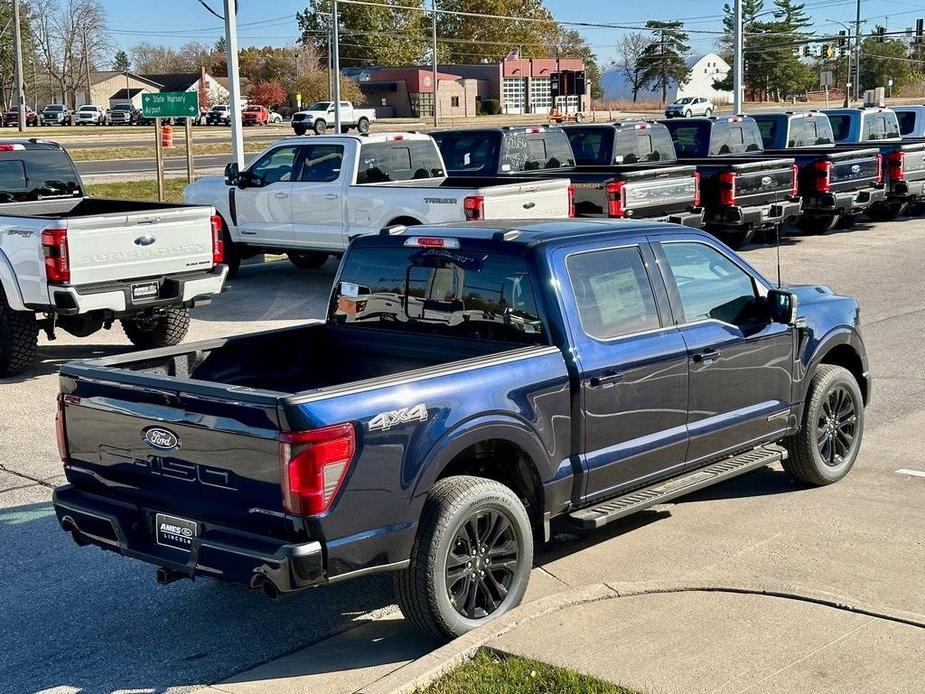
<point>766,181</point>
<point>160,438</point>
<point>145,240</point>
<point>856,168</point>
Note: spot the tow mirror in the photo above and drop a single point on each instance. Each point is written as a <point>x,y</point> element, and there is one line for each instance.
<point>782,306</point>
<point>231,173</point>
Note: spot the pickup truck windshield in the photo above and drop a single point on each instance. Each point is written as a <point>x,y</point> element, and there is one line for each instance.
<point>37,174</point>
<point>439,291</point>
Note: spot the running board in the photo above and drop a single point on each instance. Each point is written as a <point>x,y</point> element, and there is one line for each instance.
<point>641,499</point>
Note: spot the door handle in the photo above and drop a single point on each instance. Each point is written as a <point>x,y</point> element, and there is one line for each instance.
<point>331,196</point>
<point>706,356</point>
<point>605,380</point>
<point>282,196</point>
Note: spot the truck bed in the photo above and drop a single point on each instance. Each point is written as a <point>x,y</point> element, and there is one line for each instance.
<point>67,208</point>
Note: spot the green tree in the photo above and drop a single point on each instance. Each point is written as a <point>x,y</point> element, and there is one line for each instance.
<point>881,62</point>
<point>380,35</point>
<point>662,60</point>
<point>120,61</point>
<point>314,87</point>
<point>471,39</point>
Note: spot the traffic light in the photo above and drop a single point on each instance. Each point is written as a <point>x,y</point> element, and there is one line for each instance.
<point>828,51</point>
<point>881,34</point>
<point>842,37</point>
<point>580,82</point>
<point>919,29</point>
<point>554,84</point>
<point>807,52</point>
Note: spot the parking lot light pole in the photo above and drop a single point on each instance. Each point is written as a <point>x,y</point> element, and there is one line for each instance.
<point>20,95</point>
<point>847,59</point>
<point>737,60</point>
<point>433,26</point>
<point>336,67</point>
<point>234,81</point>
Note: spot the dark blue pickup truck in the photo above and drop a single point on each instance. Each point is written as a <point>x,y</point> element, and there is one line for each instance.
<point>469,384</point>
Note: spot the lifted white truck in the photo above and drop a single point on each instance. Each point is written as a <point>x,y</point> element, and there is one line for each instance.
<point>309,197</point>
<point>78,263</point>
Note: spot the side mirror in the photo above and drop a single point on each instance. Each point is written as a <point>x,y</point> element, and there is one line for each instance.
<point>782,306</point>
<point>231,173</point>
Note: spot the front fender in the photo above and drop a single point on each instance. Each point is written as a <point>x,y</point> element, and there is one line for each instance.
<point>816,350</point>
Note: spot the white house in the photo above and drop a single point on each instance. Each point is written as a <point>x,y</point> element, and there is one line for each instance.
<point>704,69</point>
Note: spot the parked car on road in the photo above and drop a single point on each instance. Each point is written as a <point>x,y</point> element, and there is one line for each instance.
<point>75,263</point>
<point>308,197</point>
<point>11,117</point>
<point>275,117</point>
<point>255,115</point>
<point>89,114</point>
<point>835,183</point>
<point>320,116</point>
<point>57,114</point>
<point>904,158</point>
<point>911,121</point>
<point>624,170</point>
<point>220,114</point>
<point>470,384</point>
<point>689,106</point>
<point>123,114</point>
<point>743,193</point>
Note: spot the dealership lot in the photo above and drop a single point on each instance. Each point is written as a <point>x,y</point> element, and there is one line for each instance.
<point>85,619</point>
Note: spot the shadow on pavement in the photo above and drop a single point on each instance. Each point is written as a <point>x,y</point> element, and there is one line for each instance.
<point>51,356</point>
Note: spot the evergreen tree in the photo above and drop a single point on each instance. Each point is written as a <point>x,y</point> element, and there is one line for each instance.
<point>662,60</point>
<point>120,61</point>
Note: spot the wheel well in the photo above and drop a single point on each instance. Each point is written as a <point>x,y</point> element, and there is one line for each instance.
<point>504,462</point>
<point>846,357</point>
<point>406,221</point>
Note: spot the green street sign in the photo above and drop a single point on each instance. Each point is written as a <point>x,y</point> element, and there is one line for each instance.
<point>170,105</point>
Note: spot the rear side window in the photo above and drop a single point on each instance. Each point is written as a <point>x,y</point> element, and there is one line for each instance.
<point>473,153</point>
<point>769,128</point>
<point>549,149</point>
<point>381,162</point>
<point>37,174</point>
<point>906,122</point>
<point>841,126</point>
<point>612,292</point>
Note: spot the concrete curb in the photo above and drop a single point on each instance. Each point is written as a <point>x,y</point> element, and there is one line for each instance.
<point>424,670</point>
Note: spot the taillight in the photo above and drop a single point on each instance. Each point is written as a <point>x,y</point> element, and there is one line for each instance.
<point>727,188</point>
<point>616,199</point>
<point>218,242</point>
<point>61,426</point>
<point>822,176</point>
<point>897,166</point>
<point>696,189</point>
<point>474,207</point>
<point>313,466</point>
<point>794,180</point>
<point>571,201</point>
<point>54,249</point>
<point>879,178</point>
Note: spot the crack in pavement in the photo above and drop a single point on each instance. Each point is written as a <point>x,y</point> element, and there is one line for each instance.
<point>36,480</point>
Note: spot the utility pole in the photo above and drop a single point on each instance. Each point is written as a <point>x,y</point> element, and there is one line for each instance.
<point>857,57</point>
<point>234,81</point>
<point>738,88</point>
<point>87,64</point>
<point>433,26</point>
<point>336,75</point>
<point>20,90</point>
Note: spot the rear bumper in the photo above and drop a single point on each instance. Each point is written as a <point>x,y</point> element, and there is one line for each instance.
<point>218,552</point>
<point>782,212</point>
<point>846,202</point>
<point>174,290</point>
<point>907,191</point>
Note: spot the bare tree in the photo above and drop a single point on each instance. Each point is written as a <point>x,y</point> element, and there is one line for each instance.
<point>70,38</point>
<point>629,53</point>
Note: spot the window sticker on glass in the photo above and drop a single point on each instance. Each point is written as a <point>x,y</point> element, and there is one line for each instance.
<point>467,159</point>
<point>349,289</point>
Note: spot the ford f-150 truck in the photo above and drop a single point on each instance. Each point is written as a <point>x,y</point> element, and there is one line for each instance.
<point>308,197</point>
<point>835,183</point>
<point>742,192</point>
<point>78,263</point>
<point>470,383</point>
<point>904,159</point>
<point>624,171</point>
<point>320,116</point>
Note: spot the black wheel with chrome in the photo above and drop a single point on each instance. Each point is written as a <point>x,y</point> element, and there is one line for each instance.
<point>833,425</point>
<point>471,559</point>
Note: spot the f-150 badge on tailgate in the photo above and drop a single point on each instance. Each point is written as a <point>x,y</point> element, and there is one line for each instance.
<point>386,420</point>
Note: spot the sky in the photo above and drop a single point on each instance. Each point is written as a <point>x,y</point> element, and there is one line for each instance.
<point>272,22</point>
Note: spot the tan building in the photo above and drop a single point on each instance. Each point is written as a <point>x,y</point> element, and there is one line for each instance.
<point>408,92</point>
<point>108,87</point>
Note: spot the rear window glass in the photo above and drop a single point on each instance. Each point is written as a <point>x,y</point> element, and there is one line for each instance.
<point>690,139</point>
<point>906,122</point>
<point>817,131</point>
<point>637,145</point>
<point>36,174</point>
<point>474,153</point>
<point>549,149</point>
<point>768,128</point>
<point>735,138</point>
<point>841,126</point>
<point>381,162</point>
<point>880,126</point>
<point>439,291</point>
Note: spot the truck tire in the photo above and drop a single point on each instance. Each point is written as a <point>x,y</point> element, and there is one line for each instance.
<point>299,129</point>
<point>833,425</point>
<point>363,126</point>
<point>320,127</point>
<point>736,239</point>
<point>817,224</point>
<point>163,331</point>
<point>19,336</point>
<point>885,212</point>
<point>309,260</point>
<point>485,580</point>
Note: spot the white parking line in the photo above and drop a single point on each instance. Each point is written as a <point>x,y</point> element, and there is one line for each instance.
<point>911,473</point>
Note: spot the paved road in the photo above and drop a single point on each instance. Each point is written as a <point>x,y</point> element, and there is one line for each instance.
<point>86,619</point>
<point>113,167</point>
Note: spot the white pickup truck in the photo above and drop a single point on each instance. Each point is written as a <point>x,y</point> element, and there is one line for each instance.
<point>320,116</point>
<point>308,197</point>
<point>79,263</point>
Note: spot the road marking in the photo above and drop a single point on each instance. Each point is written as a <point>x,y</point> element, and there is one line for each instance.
<point>911,473</point>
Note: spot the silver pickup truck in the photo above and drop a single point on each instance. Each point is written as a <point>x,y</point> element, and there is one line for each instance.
<point>79,263</point>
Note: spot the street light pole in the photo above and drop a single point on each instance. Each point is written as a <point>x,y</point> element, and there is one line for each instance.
<point>234,81</point>
<point>20,91</point>
<point>857,57</point>
<point>336,75</point>
<point>738,48</point>
<point>847,59</point>
<point>433,25</point>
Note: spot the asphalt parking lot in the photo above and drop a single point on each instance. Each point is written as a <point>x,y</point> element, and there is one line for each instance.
<point>84,620</point>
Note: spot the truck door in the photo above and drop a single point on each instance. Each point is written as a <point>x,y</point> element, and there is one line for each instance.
<point>318,199</point>
<point>264,206</point>
<point>632,367</point>
<point>741,363</point>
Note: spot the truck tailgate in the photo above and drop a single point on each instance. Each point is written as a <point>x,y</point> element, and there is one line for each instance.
<point>121,246</point>
<point>171,450</point>
<point>661,190</point>
<point>537,199</point>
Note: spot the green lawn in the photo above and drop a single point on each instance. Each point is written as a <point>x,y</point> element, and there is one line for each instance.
<point>139,190</point>
<point>117,152</point>
<point>491,673</point>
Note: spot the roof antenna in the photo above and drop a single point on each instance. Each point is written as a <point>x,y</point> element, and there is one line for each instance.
<point>777,233</point>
